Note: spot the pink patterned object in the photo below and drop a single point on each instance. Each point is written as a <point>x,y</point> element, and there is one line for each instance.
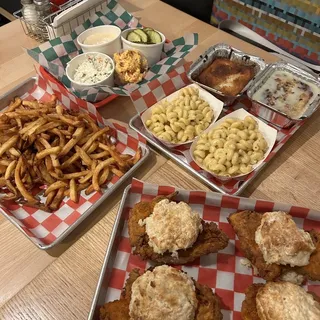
<point>223,272</point>
<point>47,229</point>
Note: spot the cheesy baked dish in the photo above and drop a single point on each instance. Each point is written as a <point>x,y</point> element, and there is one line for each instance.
<point>168,232</point>
<point>227,76</point>
<point>276,247</point>
<point>130,66</point>
<point>163,293</point>
<point>287,93</point>
<point>279,301</point>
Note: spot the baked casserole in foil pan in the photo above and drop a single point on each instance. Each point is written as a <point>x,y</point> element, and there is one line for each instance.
<point>225,71</point>
<point>284,94</point>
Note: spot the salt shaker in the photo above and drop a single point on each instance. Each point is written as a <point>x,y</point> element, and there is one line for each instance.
<point>43,9</point>
<point>29,15</point>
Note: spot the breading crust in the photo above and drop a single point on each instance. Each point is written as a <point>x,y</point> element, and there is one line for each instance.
<point>249,305</point>
<point>245,224</point>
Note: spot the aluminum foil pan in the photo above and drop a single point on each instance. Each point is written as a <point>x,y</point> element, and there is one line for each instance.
<point>222,50</point>
<point>273,115</point>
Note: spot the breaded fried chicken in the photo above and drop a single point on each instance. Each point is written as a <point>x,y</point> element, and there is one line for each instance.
<point>207,304</point>
<point>245,224</point>
<point>278,301</point>
<point>209,239</point>
<point>249,305</point>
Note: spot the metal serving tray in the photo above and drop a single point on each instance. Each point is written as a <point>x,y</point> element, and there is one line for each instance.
<point>271,114</point>
<point>88,205</point>
<point>234,186</point>
<point>222,50</point>
<point>229,286</point>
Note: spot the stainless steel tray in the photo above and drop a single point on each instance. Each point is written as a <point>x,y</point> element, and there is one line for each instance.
<point>20,90</point>
<point>283,135</point>
<point>119,256</point>
<point>105,275</point>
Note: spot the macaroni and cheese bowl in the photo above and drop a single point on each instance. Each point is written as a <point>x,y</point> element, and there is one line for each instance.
<point>179,118</point>
<point>234,146</point>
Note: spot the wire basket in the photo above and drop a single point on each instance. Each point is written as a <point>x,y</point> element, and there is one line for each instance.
<point>47,28</point>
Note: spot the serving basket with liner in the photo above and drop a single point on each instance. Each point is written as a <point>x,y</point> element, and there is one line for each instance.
<point>54,55</point>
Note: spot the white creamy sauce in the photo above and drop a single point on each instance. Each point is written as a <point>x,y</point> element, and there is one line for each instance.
<point>99,38</point>
<point>287,93</point>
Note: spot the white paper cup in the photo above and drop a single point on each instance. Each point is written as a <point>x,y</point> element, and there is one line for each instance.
<point>109,47</point>
<point>76,61</point>
<point>152,52</point>
<point>215,104</point>
<point>269,133</point>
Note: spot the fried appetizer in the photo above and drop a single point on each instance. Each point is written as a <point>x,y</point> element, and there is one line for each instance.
<point>130,66</point>
<point>276,247</point>
<point>168,232</point>
<point>163,293</point>
<point>279,301</point>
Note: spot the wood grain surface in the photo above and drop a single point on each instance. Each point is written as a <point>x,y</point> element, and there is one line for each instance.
<point>59,283</point>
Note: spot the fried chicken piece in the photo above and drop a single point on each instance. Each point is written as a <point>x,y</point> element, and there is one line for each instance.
<point>208,302</point>
<point>245,224</point>
<point>115,310</point>
<point>312,270</point>
<point>249,309</point>
<point>249,305</point>
<point>119,309</point>
<point>210,240</point>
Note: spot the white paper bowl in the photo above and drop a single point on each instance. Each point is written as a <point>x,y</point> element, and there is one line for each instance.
<point>269,133</point>
<point>214,103</point>
<point>152,52</point>
<point>76,61</point>
<point>109,47</point>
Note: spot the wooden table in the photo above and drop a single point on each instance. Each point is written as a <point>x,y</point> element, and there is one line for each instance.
<point>59,284</point>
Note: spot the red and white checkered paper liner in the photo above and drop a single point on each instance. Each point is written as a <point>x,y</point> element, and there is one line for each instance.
<point>46,229</point>
<point>156,90</point>
<point>223,272</point>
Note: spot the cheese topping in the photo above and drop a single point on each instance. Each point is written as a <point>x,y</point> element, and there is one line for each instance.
<point>282,242</point>
<point>130,66</point>
<point>286,301</point>
<point>172,226</point>
<point>93,69</point>
<point>165,293</point>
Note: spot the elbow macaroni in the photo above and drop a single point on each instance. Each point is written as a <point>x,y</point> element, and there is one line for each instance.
<point>232,148</point>
<point>182,119</point>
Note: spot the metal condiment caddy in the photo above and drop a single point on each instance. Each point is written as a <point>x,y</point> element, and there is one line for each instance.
<point>44,29</point>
